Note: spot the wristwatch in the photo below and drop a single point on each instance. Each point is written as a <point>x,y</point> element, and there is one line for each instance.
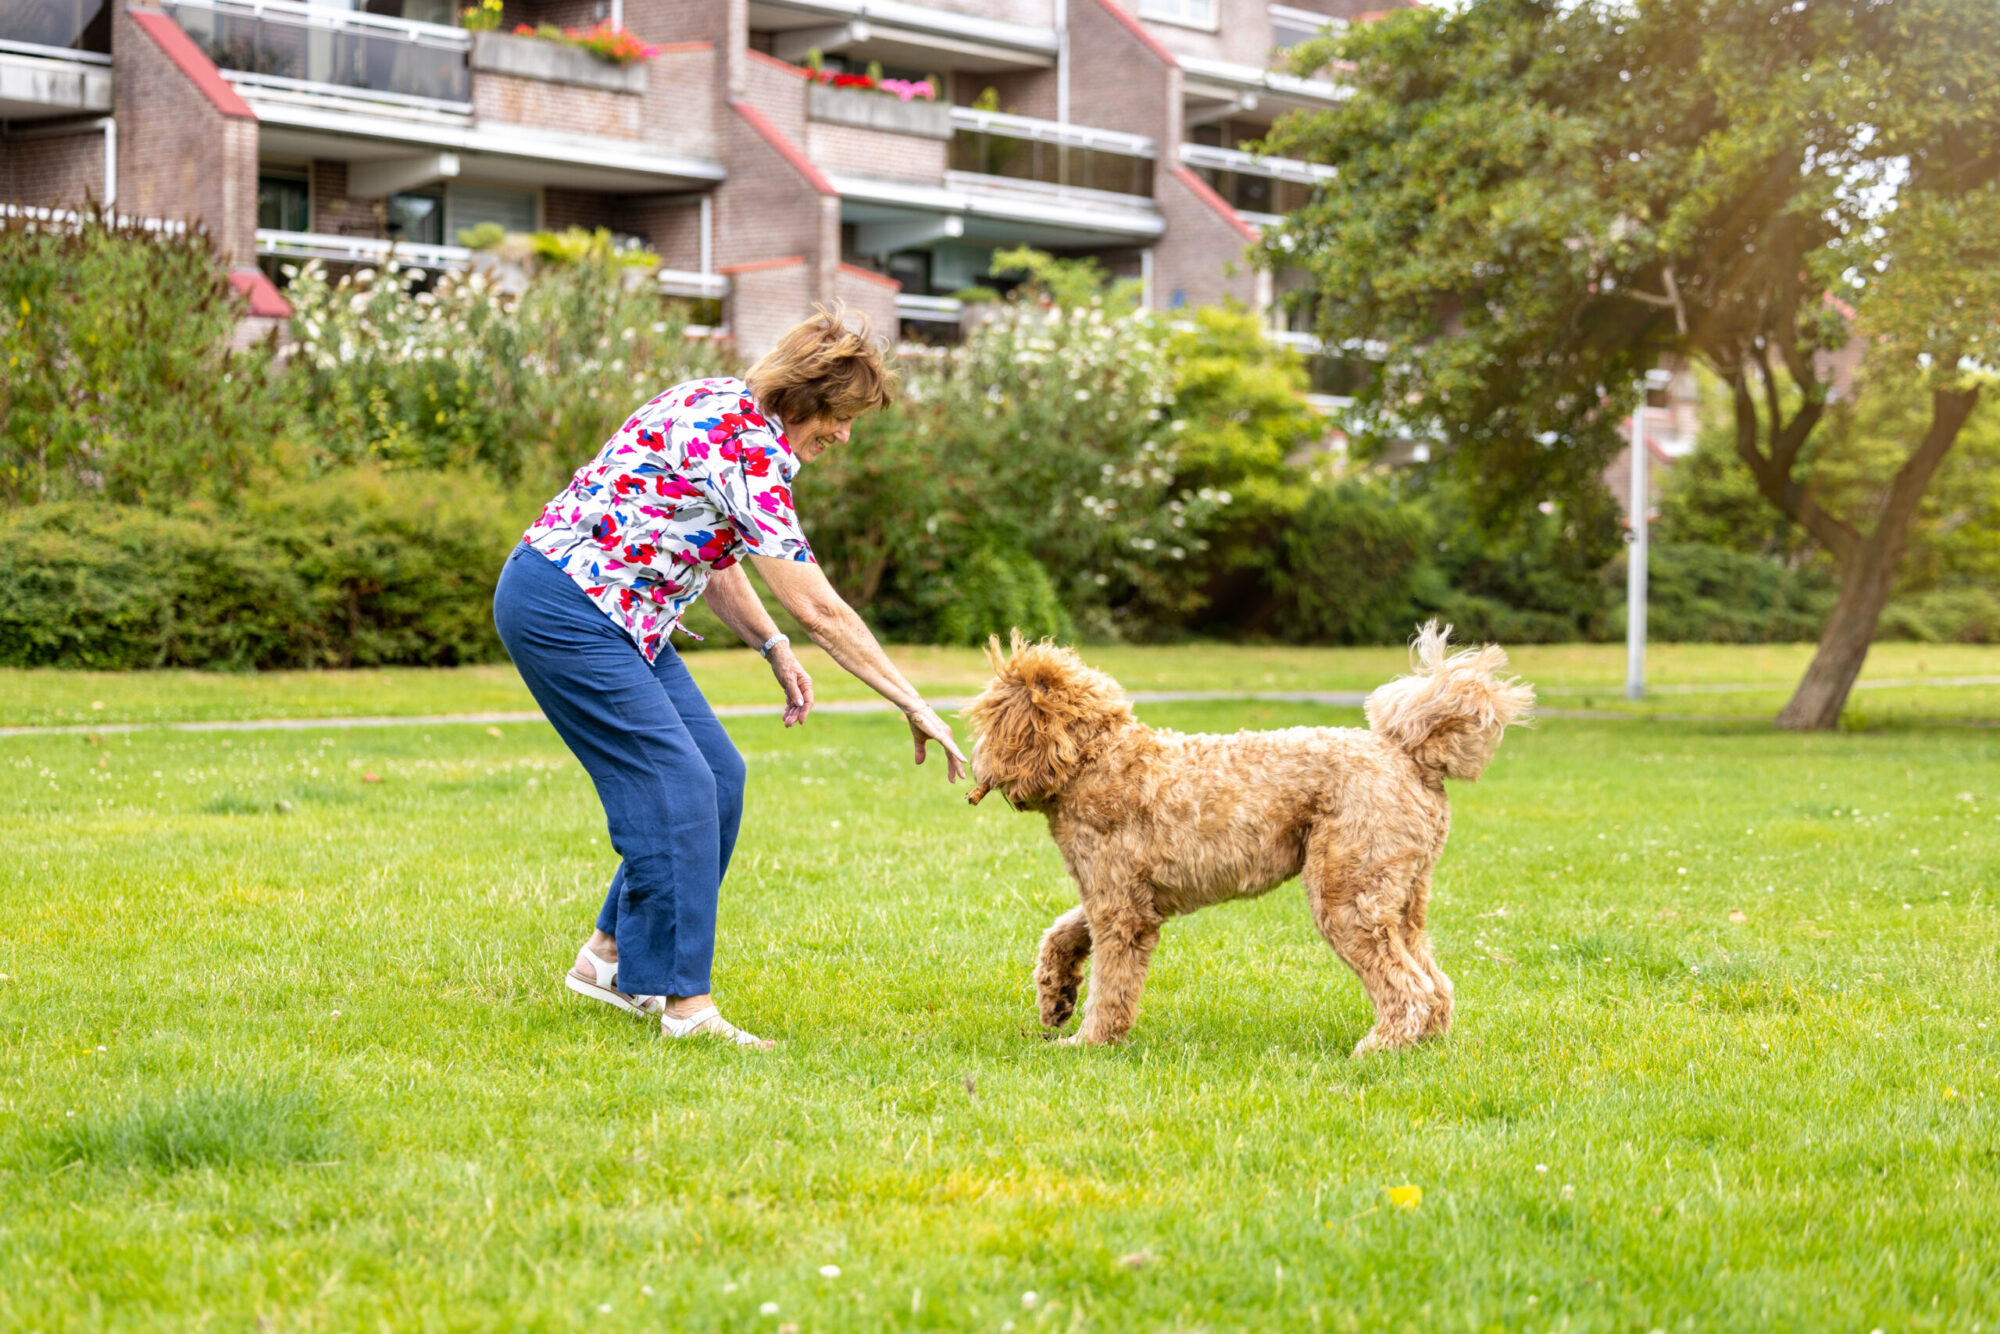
<point>764,649</point>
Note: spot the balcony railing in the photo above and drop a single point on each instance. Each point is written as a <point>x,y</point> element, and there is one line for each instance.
<point>56,27</point>
<point>281,44</point>
<point>1252,184</point>
<point>992,143</point>
<point>416,254</point>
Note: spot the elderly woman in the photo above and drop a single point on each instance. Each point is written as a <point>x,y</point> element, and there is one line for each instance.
<point>695,480</point>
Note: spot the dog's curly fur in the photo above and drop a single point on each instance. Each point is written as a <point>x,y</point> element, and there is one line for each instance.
<point>1154,824</point>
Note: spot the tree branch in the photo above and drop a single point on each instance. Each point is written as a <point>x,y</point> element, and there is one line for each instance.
<point>1949,409</point>
<point>1775,483</point>
<point>1672,300</point>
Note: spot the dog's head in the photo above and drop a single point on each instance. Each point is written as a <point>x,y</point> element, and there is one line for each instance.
<point>1043,716</point>
<point>1451,712</point>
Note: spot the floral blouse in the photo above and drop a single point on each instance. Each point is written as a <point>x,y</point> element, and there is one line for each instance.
<point>693,481</point>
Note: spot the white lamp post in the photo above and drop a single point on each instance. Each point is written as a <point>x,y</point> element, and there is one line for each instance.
<point>1635,557</point>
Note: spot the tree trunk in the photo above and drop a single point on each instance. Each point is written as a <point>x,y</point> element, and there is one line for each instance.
<point>1869,573</point>
<point>1843,648</point>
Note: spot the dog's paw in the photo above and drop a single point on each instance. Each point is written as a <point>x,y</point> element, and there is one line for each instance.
<point>1057,1007</point>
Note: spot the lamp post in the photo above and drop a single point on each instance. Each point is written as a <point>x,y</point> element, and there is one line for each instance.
<point>1635,556</point>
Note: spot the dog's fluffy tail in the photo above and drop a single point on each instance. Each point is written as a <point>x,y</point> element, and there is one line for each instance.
<point>1450,713</point>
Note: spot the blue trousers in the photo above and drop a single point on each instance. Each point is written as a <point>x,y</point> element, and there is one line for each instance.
<point>668,775</point>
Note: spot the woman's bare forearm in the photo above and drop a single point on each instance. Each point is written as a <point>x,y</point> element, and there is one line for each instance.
<point>802,589</point>
<point>734,600</point>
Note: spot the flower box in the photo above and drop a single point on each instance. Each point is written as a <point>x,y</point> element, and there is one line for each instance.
<point>872,109</point>
<point>553,62</point>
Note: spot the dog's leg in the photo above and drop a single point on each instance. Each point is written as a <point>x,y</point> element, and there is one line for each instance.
<point>1059,968</point>
<point>1122,938</point>
<point>1418,942</point>
<point>1362,910</point>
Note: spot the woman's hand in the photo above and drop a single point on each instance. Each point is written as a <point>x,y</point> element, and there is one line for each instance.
<point>792,679</point>
<point>925,727</point>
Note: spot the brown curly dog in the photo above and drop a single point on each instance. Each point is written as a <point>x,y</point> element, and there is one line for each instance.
<point>1155,824</point>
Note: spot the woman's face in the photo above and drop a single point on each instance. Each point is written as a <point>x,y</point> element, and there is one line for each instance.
<point>814,434</point>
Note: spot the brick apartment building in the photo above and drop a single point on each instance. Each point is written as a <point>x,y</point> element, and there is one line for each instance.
<point>337,128</point>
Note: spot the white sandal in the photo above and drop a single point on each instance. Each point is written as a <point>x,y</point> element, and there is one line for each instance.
<point>708,1022</point>
<point>593,977</point>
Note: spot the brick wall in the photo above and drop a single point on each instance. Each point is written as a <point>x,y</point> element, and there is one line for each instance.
<point>850,150</point>
<point>65,172</point>
<point>1118,79</point>
<point>765,302</point>
<point>577,208</point>
<point>769,208</point>
<point>869,294</point>
<point>333,213</point>
<point>683,99</point>
<point>559,108</point>
<point>181,154</point>
<point>1190,260</point>
<point>1025,93</point>
<point>779,91</point>
<point>671,228</point>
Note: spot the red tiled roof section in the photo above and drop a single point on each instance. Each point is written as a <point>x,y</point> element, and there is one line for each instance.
<point>759,265</point>
<point>200,70</point>
<point>1207,195</point>
<point>785,147</point>
<point>869,275</point>
<point>785,65</point>
<point>1138,29</point>
<point>264,297</point>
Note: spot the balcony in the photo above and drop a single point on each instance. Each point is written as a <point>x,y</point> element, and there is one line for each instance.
<point>1263,189</point>
<point>282,45</point>
<point>74,29</point>
<point>1074,157</point>
<point>275,243</point>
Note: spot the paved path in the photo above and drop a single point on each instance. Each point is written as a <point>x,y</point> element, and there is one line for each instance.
<point>1343,699</point>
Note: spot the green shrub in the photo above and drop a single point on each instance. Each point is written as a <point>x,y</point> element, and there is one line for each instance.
<point>469,375</point>
<point>1698,593</point>
<point>995,590</point>
<point>1944,616</point>
<point>116,374</point>
<point>359,569</point>
<point>1350,566</point>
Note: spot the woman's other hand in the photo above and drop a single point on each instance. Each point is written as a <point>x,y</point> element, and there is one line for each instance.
<point>926,727</point>
<point>792,679</point>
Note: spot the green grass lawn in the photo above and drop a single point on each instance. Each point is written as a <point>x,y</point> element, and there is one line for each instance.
<point>1588,676</point>
<point>285,1047</point>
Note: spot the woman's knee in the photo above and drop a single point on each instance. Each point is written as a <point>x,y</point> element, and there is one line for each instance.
<point>730,773</point>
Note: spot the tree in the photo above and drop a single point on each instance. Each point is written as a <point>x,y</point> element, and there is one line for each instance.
<point>1537,200</point>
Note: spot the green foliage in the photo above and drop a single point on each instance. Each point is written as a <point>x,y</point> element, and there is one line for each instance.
<point>1069,284</point>
<point>1351,565</point>
<point>993,590</point>
<point>471,374</point>
<point>116,374</point>
<point>354,568</point>
<point>486,236</point>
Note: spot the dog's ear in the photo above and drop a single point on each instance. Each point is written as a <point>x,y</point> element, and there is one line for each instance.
<point>1039,718</point>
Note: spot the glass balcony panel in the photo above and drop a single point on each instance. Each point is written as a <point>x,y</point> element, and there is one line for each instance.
<point>66,25</point>
<point>988,154</point>
<point>285,46</point>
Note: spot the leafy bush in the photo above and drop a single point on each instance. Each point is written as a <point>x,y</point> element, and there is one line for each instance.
<point>355,569</point>
<point>1351,565</point>
<point>116,374</point>
<point>1699,593</point>
<point>1944,616</point>
<point>471,375</point>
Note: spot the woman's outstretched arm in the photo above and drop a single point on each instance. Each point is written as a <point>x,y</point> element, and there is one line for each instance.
<point>802,589</point>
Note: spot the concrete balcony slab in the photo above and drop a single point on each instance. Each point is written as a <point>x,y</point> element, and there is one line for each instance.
<point>552,62</point>
<point>32,86</point>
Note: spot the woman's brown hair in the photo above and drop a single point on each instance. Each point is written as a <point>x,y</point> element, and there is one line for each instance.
<point>823,367</point>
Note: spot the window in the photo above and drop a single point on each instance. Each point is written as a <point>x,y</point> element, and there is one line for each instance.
<point>283,195</point>
<point>1193,13</point>
<point>417,217</point>
<point>467,206</point>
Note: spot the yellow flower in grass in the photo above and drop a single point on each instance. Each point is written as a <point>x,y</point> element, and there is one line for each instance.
<point>1406,1197</point>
